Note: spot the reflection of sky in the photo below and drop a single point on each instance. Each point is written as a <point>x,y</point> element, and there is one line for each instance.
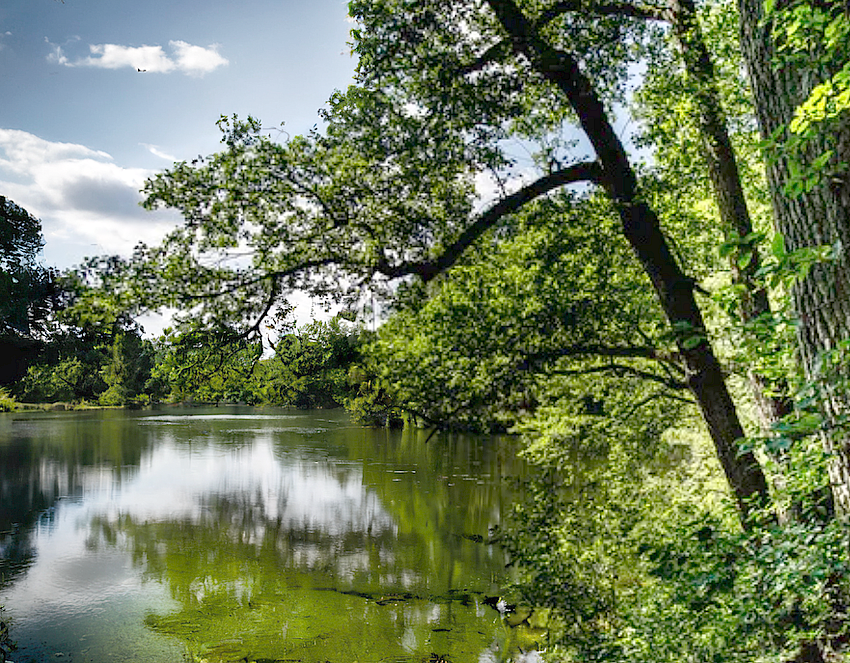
<point>300,488</point>
<point>73,584</point>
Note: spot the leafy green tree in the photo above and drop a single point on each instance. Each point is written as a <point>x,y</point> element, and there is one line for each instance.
<point>69,379</point>
<point>206,366</point>
<point>797,58</point>
<point>25,285</point>
<point>7,401</point>
<point>91,347</point>
<point>363,199</point>
<point>310,367</point>
<point>555,298</point>
<point>27,289</point>
<point>373,401</point>
<point>127,371</point>
<point>80,364</point>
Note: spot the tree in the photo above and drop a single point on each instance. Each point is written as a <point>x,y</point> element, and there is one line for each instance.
<point>196,364</point>
<point>26,288</point>
<point>809,185</point>
<point>310,366</point>
<point>91,346</point>
<point>127,370</point>
<point>555,299</point>
<point>24,284</point>
<point>722,165</point>
<point>364,199</point>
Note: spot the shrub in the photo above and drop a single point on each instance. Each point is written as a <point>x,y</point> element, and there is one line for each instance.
<point>7,402</point>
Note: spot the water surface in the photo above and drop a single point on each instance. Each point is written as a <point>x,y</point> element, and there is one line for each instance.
<point>238,534</point>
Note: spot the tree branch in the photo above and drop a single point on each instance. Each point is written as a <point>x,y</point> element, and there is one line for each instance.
<point>273,293</point>
<point>611,351</point>
<point>503,47</point>
<point>563,71</point>
<point>649,399</point>
<point>427,270</point>
<point>602,9</point>
<point>675,385</point>
<point>314,194</point>
<point>496,52</point>
<point>634,351</point>
<point>267,276</point>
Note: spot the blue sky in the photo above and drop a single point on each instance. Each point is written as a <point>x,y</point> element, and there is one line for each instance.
<point>81,127</point>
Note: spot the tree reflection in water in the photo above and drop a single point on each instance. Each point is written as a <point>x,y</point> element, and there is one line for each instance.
<point>304,537</point>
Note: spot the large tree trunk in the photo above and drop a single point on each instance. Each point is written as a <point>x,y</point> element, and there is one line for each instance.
<point>641,228</point>
<point>725,177</point>
<point>822,216</point>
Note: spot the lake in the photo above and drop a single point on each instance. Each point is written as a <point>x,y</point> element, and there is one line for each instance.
<point>234,534</point>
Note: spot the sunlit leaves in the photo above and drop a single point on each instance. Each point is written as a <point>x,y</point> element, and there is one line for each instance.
<point>814,36</point>
<point>207,365</point>
<point>395,175</point>
<point>528,305</point>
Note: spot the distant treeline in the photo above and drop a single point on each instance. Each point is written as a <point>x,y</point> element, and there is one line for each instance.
<point>319,365</point>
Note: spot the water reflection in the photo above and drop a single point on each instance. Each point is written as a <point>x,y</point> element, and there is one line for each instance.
<point>239,535</point>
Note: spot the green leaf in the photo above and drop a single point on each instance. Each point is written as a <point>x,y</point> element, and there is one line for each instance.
<point>692,341</point>
<point>744,259</point>
<point>726,249</point>
<point>778,443</point>
<point>777,246</point>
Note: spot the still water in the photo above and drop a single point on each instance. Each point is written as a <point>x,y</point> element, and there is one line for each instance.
<point>232,534</point>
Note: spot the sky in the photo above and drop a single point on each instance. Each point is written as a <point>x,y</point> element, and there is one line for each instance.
<point>99,95</point>
<point>81,127</point>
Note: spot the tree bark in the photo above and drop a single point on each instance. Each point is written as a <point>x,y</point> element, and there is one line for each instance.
<point>822,216</point>
<point>729,195</point>
<point>642,229</point>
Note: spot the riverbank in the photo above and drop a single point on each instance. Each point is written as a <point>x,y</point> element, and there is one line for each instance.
<point>15,406</point>
<point>61,407</point>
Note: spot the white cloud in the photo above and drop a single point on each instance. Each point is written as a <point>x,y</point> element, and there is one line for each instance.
<point>184,58</point>
<point>154,149</point>
<point>114,56</point>
<point>88,204</point>
<point>195,59</point>
<point>57,55</point>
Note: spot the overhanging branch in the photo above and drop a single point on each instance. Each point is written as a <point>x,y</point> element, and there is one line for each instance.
<point>611,351</point>
<point>626,9</point>
<point>427,270</point>
<point>623,369</point>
